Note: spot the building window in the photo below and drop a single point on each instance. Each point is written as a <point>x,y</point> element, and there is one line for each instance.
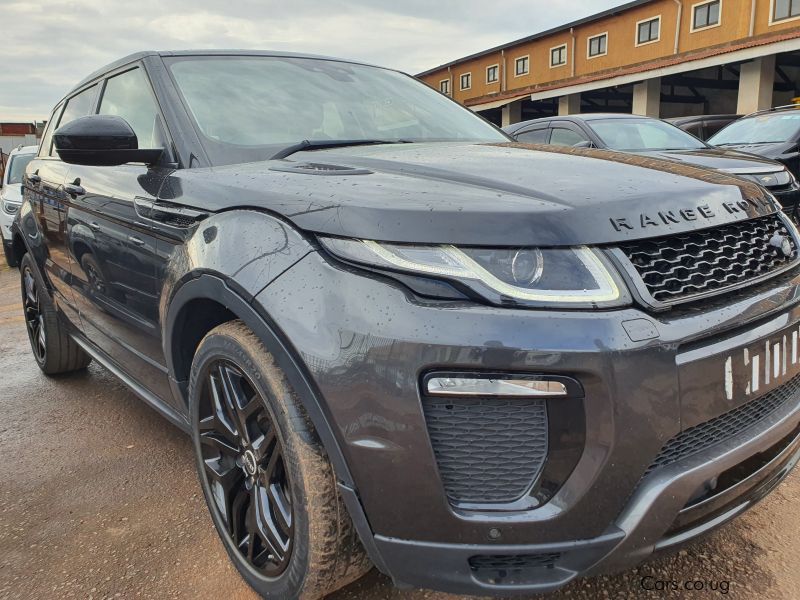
<point>444,86</point>
<point>558,56</point>
<point>598,45</point>
<point>522,66</point>
<point>466,81</point>
<point>785,9</point>
<point>707,14</point>
<point>492,74</point>
<point>648,31</point>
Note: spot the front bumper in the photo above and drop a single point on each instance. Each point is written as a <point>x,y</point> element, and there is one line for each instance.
<point>367,342</point>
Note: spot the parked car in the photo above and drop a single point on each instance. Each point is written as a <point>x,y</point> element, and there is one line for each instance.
<point>655,138</point>
<point>11,196</point>
<point>773,134</point>
<point>399,339</point>
<point>703,126</point>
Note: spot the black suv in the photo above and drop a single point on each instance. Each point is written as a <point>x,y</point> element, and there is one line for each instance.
<point>396,337</point>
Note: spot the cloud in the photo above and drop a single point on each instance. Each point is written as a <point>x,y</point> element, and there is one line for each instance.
<point>53,44</point>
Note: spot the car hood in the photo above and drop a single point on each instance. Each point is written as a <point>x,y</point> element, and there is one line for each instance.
<point>721,159</point>
<point>771,150</point>
<point>476,194</point>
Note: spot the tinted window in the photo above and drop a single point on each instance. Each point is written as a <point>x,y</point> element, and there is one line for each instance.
<point>129,96</point>
<point>534,136</point>
<point>16,168</point>
<point>281,101</point>
<point>44,147</point>
<point>706,15</point>
<point>637,135</point>
<point>77,106</point>
<point>649,30</point>
<point>566,137</point>
<point>762,129</point>
<point>713,127</point>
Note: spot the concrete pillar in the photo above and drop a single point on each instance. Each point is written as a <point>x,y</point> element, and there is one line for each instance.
<point>756,83</point>
<point>512,113</point>
<point>647,98</point>
<point>569,105</point>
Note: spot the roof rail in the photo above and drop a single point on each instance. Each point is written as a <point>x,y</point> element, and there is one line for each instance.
<point>773,109</point>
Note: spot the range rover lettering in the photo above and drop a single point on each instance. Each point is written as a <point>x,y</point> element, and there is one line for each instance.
<point>400,339</point>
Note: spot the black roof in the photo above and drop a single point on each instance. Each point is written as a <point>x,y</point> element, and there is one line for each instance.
<point>137,56</point>
<point>536,36</point>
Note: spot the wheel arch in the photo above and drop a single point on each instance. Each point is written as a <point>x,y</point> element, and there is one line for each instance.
<point>207,293</point>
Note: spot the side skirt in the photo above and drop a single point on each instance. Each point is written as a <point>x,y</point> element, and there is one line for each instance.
<point>149,398</point>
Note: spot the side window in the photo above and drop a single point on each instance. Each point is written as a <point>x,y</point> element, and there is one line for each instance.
<point>129,96</point>
<point>713,127</point>
<point>696,129</point>
<point>47,138</point>
<point>79,105</point>
<point>566,137</point>
<point>534,136</point>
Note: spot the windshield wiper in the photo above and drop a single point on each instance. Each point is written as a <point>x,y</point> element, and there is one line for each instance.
<point>322,144</point>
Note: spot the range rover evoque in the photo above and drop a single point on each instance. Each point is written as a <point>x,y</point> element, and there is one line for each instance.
<point>397,337</point>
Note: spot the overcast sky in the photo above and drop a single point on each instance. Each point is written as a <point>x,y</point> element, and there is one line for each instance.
<point>46,46</point>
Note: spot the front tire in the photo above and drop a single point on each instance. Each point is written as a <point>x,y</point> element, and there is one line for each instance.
<point>269,487</point>
<point>54,350</point>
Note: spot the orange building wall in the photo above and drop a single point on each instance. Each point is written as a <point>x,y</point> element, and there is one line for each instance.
<point>622,50</point>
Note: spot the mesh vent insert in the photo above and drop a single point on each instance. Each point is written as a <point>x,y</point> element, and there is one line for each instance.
<point>488,450</point>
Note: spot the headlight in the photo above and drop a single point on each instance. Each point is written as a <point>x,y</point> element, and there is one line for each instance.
<point>10,208</point>
<point>555,277</point>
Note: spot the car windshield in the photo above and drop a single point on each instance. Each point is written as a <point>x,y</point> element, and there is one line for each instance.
<point>761,129</point>
<point>16,167</point>
<point>642,135</point>
<point>243,104</point>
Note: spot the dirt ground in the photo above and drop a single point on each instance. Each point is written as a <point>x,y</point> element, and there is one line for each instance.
<point>99,499</point>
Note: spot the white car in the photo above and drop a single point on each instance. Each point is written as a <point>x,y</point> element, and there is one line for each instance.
<point>10,196</point>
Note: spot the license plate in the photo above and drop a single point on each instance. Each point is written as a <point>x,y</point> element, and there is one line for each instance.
<point>762,366</point>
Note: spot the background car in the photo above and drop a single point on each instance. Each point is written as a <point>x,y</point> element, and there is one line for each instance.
<point>11,196</point>
<point>659,139</point>
<point>772,134</point>
<point>703,126</point>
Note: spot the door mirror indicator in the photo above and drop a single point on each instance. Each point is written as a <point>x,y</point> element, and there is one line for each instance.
<point>101,140</point>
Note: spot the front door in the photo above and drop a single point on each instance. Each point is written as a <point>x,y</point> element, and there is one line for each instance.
<point>115,248</point>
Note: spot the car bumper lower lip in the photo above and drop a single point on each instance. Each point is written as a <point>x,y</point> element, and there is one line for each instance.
<point>643,528</point>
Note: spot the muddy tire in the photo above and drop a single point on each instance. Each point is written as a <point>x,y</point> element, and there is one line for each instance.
<point>269,486</point>
<point>54,350</point>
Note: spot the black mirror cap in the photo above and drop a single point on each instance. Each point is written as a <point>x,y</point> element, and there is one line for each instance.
<point>101,140</point>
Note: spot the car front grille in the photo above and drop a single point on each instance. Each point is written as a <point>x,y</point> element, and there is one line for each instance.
<point>702,436</point>
<point>512,569</point>
<point>488,450</point>
<point>682,266</point>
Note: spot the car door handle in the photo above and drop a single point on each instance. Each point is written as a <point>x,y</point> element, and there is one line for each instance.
<point>74,189</point>
<point>95,225</point>
<point>135,240</point>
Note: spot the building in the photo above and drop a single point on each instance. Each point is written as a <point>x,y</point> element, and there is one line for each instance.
<point>661,58</point>
<point>14,134</point>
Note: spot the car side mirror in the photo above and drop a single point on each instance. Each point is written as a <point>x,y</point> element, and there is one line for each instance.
<point>101,141</point>
<point>584,144</point>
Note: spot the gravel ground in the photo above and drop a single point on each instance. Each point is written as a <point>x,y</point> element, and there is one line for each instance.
<point>99,499</point>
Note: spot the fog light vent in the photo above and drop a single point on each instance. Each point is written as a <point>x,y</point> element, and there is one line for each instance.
<point>489,450</point>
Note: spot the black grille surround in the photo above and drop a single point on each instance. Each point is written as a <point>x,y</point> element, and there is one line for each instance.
<point>488,450</point>
<point>696,264</point>
<point>703,436</point>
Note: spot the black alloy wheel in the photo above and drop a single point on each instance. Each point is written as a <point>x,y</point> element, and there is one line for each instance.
<point>34,318</point>
<point>244,466</point>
